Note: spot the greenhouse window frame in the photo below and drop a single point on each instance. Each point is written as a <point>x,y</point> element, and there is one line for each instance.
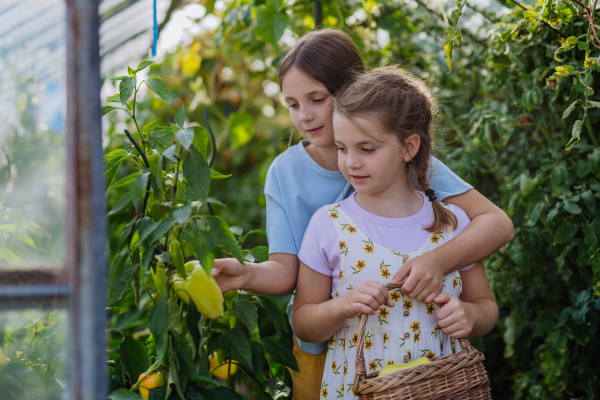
<point>79,285</point>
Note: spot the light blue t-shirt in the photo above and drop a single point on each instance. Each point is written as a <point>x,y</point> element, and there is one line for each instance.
<point>296,187</point>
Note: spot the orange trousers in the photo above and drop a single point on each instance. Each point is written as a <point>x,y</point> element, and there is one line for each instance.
<point>307,382</point>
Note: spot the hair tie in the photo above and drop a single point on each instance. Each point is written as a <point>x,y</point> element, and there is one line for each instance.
<point>431,194</point>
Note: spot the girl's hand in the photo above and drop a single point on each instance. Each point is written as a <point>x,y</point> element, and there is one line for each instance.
<point>426,279</point>
<point>229,273</point>
<point>366,298</point>
<point>455,317</point>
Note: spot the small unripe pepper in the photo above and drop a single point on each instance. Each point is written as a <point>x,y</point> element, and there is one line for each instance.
<point>151,381</point>
<point>177,257</point>
<point>220,372</point>
<point>159,277</point>
<point>203,289</point>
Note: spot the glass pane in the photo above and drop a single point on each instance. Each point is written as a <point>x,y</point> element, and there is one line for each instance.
<point>33,354</point>
<point>32,140</point>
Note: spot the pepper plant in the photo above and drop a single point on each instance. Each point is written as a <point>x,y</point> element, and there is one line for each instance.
<point>170,222</point>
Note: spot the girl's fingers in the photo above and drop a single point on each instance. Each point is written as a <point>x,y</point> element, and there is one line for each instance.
<point>420,286</point>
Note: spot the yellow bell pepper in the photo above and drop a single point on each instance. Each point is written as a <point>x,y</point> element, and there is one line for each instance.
<point>203,289</point>
<point>151,381</point>
<point>220,372</point>
<point>390,369</point>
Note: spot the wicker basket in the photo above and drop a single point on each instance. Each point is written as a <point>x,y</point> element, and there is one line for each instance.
<point>454,376</point>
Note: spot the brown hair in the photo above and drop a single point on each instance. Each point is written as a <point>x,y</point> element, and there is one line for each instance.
<point>328,56</point>
<point>404,105</point>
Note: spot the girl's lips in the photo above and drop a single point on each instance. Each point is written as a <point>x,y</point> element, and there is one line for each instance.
<point>314,131</point>
<point>359,179</point>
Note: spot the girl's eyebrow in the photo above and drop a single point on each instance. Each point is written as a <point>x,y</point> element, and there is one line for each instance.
<point>318,91</point>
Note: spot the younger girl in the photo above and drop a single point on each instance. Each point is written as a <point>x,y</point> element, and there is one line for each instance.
<point>306,177</point>
<point>383,130</point>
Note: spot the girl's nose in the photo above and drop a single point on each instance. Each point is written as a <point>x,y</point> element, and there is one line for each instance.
<point>353,161</point>
<point>305,116</point>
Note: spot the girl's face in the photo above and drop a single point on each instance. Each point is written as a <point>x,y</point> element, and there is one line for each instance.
<point>372,160</point>
<point>309,103</point>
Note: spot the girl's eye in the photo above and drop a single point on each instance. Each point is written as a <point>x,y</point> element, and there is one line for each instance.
<point>367,150</point>
<point>292,105</point>
<point>341,149</point>
<point>318,100</point>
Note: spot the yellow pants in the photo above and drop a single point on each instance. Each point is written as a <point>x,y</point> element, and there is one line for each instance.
<point>307,382</point>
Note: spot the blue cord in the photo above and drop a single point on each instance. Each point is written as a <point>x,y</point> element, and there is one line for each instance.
<point>155,39</point>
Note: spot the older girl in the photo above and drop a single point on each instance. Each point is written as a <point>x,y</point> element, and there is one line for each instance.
<point>306,176</point>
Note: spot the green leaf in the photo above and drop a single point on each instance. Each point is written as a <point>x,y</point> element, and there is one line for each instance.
<point>576,133</point>
<point>272,308</point>
<point>158,323</point>
<point>126,88</point>
<point>158,87</point>
<point>206,380</point>
<point>124,394</point>
<point>200,140</point>
<point>571,207</point>
<point>204,244</point>
<point>192,320</point>
<point>156,177</point>
<point>106,109</point>
<point>147,231</point>
<point>589,199</point>
<point>570,109</point>
<point>221,231</point>
<point>565,233</point>
<point>217,175</point>
<point>184,359</point>
<point>126,234</point>
<point>161,139</point>
<point>197,173</point>
<point>270,23</point>
<point>182,213</point>
<point>116,98</point>
<point>279,353</point>
<point>276,388</point>
<point>137,188</point>
<point>170,153</point>
<point>241,127</point>
<point>258,358</point>
<point>127,181</point>
<point>147,256</point>
<point>185,137</point>
<point>162,228</point>
<point>112,162</point>
<point>448,53</point>
<point>53,329</point>
<point>131,72</point>
<point>237,346</point>
<point>247,313</point>
<point>527,185</point>
<point>260,253</point>
<point>117,263</point>
<point>181,117</point>
<point>569,43</point>
<point>149,126</point>
<point>133,357</point>
<point>504,126</point>
<point>123,202</point>
<point>589,233</point>
<point>121,279</point>
<point>143,65</point>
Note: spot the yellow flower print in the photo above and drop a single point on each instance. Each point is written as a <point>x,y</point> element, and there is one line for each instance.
<point>345,370</point>
<point>430,354</point>
<point>385,337</point>
<point>435,238</point>
<point>342,387</point>
<point>430,308</point>
<point>342,344</point>
<point>445,204</point>
<point>333,214</point>
<point>360,265</point>
<point>407,357</point>
<point>426,251</point>
<point>368,344</point>
<point>333,365</point>
<point>416,326</point>
<point>456,282</point>
<point>336,294</point>
<point>434,333</point>
<point>385,273</point>
<point>417,337</point>
<point>359,316</point>
<point>331,342</point>
<point>324,393</point>
<point>453,349</point>
<point>383,312</point>
<point>390,362</point>
<point>352,229</point>
<point>395,295</point>
<point>408,304</point>
<point>343,245</point>
<point>369,246</point>
<point>341,273</point>
<point>373,365</point>
<point>354,339</point>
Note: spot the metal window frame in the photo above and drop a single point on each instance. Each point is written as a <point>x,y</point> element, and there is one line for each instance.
<point>79,285</point>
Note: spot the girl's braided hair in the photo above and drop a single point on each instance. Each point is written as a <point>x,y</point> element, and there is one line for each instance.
<point>403,105</point>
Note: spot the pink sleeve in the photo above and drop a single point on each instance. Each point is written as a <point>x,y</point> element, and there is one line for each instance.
<point>463,221</point>
<point>318,242</point>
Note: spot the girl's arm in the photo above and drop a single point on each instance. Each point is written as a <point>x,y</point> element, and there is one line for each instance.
<point>276,276</point>
<point>489,230</point>
<point>475,312</point>
<point>316,316</point>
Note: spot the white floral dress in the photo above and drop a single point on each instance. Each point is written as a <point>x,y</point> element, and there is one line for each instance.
<point>395,335</point>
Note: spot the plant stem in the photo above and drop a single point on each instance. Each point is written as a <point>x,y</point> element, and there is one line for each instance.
<point>152,368</point>
<point>176,176</point>
<point>133,115</point>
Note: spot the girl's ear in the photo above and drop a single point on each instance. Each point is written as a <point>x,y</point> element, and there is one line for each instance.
<point>411,144</point>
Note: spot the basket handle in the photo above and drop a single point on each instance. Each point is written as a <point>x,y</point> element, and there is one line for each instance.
<point>361,367</point>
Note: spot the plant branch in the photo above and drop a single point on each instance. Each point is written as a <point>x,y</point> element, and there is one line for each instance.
<point>541,20</point>
<point>440,16</point>
<point>143,155</point>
